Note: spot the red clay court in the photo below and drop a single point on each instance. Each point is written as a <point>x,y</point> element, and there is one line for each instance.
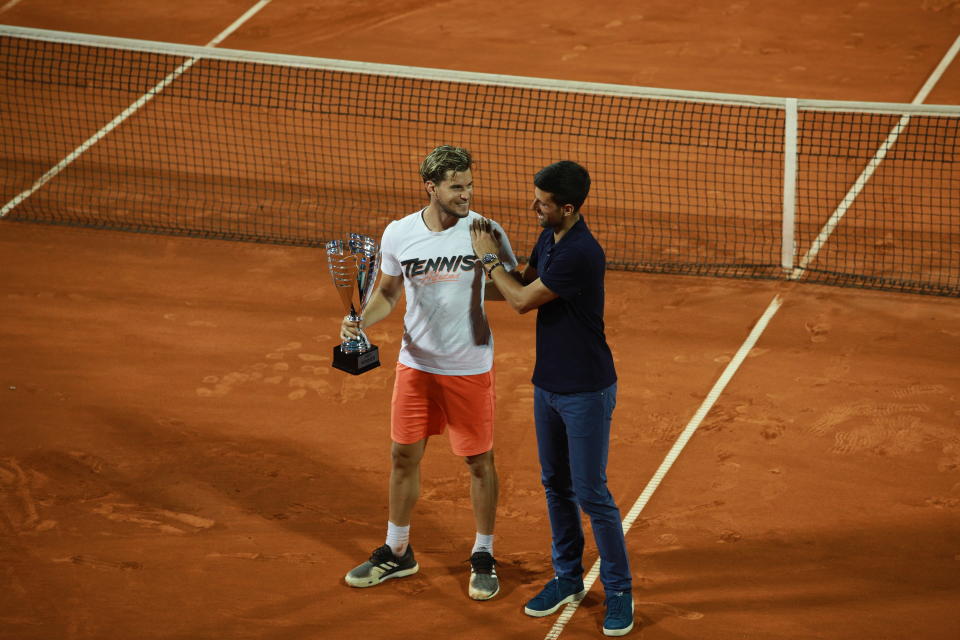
<point>178,460</point>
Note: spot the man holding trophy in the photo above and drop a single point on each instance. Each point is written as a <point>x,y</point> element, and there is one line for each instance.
<point>444,378</point>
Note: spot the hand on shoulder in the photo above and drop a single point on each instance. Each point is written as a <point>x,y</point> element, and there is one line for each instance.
<point>485,238</point>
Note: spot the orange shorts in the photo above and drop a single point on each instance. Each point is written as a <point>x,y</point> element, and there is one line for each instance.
<point>424,404</point>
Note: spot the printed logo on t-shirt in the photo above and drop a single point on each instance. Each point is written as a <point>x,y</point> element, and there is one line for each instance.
<point>439,269</point>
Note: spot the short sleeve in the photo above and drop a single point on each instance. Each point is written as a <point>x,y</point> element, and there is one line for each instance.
<point>507,257</point>
<point>534,256</point>
<point>389,262</point>
<point>565,274</point>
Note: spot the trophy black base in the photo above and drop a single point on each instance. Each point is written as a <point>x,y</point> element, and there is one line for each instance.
<point>356,363</point>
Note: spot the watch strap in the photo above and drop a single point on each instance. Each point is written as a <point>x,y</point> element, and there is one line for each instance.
<point>494,266</point>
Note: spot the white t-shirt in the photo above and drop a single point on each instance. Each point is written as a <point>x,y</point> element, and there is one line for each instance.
<point>445,328</point>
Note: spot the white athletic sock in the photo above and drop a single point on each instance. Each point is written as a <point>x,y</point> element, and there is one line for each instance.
<point>483,542</point>
<point>398,538</point>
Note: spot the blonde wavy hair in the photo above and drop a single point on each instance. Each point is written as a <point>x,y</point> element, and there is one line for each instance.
<point>442,159</point>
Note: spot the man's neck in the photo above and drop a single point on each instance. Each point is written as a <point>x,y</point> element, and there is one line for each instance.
<point>566,224</point>
<point>437,219</point>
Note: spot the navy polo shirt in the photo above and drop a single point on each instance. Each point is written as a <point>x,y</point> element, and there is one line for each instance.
<point>572,351</point>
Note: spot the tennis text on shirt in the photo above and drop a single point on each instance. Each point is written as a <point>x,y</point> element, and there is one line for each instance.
<point>445,328</point>
<point>418,266</point>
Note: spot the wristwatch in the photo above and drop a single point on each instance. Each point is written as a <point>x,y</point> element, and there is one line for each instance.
<point>491,259</point>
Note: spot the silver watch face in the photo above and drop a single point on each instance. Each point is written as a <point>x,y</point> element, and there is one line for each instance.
<point>489,257</point>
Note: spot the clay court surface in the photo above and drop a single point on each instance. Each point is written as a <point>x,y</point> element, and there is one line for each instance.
<point>179,461</point>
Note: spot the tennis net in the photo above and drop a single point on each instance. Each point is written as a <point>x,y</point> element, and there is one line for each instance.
<point>174,139</point>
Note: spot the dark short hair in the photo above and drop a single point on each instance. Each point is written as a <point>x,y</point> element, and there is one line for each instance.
<point>442,159</point>
<point>567,181</point>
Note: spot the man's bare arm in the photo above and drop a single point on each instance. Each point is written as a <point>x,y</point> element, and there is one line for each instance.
<point>382,302</point>
<point>524,293</point>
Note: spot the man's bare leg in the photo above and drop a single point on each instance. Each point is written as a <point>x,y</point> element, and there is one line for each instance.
<point>484,492</point>
<point>395,559</point>
<point>405,480</point>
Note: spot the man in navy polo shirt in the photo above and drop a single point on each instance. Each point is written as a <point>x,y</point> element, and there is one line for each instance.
<point>575,388</point>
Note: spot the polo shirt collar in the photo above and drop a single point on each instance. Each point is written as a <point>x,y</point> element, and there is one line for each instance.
<point>579,227</point>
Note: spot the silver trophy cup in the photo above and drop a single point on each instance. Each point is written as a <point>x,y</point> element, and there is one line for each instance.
<point>354,264</point>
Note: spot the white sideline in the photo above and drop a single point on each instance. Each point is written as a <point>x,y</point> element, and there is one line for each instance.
<point>674,452</point>
<point>10,5</point>
<point>934,78</point>
<point>872,165</point>
<point>126,113</point>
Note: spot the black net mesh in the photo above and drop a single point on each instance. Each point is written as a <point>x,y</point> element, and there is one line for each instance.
<point>160,141</point>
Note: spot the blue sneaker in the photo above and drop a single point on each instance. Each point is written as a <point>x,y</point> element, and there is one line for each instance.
<point>554,595</point>
<point>619,618</point>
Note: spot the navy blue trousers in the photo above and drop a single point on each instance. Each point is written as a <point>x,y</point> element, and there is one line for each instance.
<point>573,439</point>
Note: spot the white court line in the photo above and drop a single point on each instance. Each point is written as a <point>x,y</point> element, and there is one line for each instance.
<point>872,165</point>
<point>674,452</point>
<point>252,11</point>
<point>934,78</point>
<point>126,113</point>
<point>9,5</point>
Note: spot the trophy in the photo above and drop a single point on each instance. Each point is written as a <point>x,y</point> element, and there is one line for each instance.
<point>354,264</point>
